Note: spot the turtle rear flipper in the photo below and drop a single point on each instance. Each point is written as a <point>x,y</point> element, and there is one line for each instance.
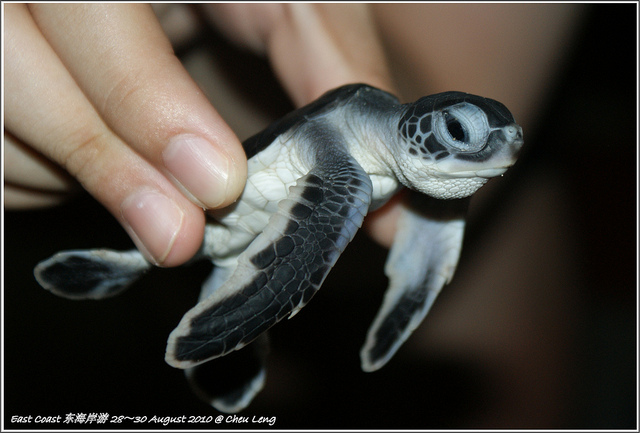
<point>422,260</point>
<point>90,274</point>
<point>230,383</point>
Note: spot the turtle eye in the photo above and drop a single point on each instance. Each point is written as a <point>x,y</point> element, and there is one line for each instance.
<point>463,127</point>
<point>455,128</point>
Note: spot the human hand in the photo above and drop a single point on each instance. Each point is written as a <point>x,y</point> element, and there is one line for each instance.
<point>97,90</point>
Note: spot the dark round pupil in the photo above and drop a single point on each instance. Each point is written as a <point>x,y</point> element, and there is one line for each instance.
<point>454,127</point>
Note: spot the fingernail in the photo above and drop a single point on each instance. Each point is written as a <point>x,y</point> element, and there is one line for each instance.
<point>199,168</point>
<point>154,221</point>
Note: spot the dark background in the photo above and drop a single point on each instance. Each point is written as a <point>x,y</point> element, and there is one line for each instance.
<point>107,357</point>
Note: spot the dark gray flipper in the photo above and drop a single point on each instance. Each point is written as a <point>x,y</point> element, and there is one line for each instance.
<point>230,383</point>
<point>422,260</point>
<point>285,265</point>
<point>90,274</point>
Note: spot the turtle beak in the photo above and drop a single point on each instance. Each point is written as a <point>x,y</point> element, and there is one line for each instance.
<point>488,173</point>
<point>508,154</point>
<point>513,146</point>
<point>513,133</point>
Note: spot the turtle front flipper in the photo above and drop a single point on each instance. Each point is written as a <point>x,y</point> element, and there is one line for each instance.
<point>284,266</point>
<point>423,258</point>
<point>90,274</point>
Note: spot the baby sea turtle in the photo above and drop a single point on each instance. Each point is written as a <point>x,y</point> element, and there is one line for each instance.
<point>312,177</point>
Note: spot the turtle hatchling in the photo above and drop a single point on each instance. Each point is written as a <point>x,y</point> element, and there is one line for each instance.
<point>312,177</point>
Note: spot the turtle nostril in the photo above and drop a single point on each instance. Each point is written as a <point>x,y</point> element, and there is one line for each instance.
<point>514,131</point>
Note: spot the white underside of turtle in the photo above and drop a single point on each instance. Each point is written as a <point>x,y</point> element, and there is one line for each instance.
<point>312,178</point>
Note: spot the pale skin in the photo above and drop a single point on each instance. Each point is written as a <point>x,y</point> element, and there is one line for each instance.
<point>97,90</point>
<point>94,96</point>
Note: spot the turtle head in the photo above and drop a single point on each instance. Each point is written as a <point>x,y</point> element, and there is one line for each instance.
<point>451,143</point>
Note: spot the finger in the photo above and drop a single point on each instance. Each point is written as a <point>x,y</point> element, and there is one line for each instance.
<point>32,181</point>
<point>247,25</point>
<point>312,47</point>
<point>19,198</point>
<point>28,169</point>
<point>44,107</point>
<point>336,44</point>
<point>127,69</point>
<point>179,22</point>
<point>381,224</point>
